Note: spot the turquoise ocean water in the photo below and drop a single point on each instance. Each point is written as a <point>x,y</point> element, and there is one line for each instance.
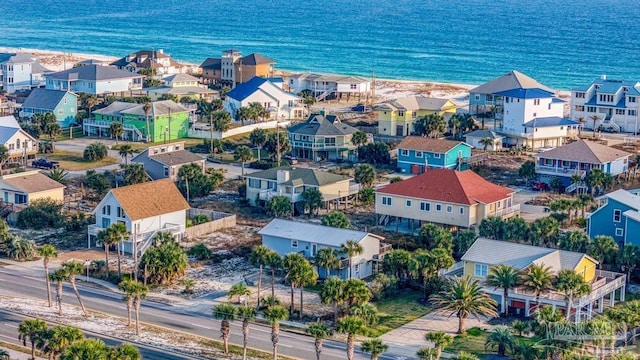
<point>562,43</point>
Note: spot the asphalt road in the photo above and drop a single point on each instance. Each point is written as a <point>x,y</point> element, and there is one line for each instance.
<point>27,283</point>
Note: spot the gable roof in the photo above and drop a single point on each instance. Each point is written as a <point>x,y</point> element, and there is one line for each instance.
<point>496,252</point>
<point>624,197</point>
<point>509,81</point>
<point>177,157</point>
<point>483,134</point>
<point>338,79</point>
<point>551,121</point>
<point>93,73</point>
<point>44,99</point>
<point>17,58</point>
<point>118,108</point>
<point>427,144</point>
<point>244,90</point>
<point>325,235</point>
<point>526,93</point>
<point>213,63</point>
<point>459,187</point>
<point>31,182</point>
<point>319,124</point>
<point>149,199</point>
<point>9,121</point>
<point>148,62</point>
<point>416,102</point>
<point>256,59</point>
<point>181,78</point>
<point>308,176</point>
<point>584,151</point>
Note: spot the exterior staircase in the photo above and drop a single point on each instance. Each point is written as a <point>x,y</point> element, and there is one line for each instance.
<point>324,95</point>
<point>580,187</point>
<point>607,123</point>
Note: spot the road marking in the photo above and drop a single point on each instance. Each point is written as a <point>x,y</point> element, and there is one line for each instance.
<point>202,326</point>
<point>8,337</point>
<point>11,325</point>
<point>285,345</point>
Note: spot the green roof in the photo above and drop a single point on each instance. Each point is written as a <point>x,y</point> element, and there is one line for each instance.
<point>299,176</point>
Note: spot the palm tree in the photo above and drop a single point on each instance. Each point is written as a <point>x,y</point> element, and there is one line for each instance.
<point>538,278</point>
<point>125,151</point>
<point>350,325</point>
<point>258,138</point>
<point>117,129</point>
<point>274,315</point>
<point>505,277</point>
<point>139,292</point>
<point>238,290</point>
<point>595,119</point>
<point>52,129</point>
<point>247,314</point>
<point>526,351</point>
<point>107,240</point>
<point>58,175</point>
<point>273,260</point>
<point>351,249</point>
<point>332,292</point>
<point>86,349</point>
<point>375,347</point>
<point>427,353</point>
<point>31,329</point>
<point>299,273</point>
<point>128,287</point>
<point>519,327</point>
<point>125,352</point>
<point>319,331</point>
<point>242,154</point>
<point>580,119</point>
<point>464,297</point>
<point>225,313</point>
<point>258,257</point>
<point>114,234</point>
<point>47,252</point>
<point>58,276</point>
<point>58,338</point>
<point>147,108</point>
<point>501,338</point>
<point>4,156</point>
<point>454,125</point>
<point>572,285</point>
<point>73,268</point>
<point>4,355</point>
<point>328,259</point>
<point>440,340</point>
<point>486,142</point>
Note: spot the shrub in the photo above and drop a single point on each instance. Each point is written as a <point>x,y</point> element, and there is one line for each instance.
<point>200,252</point>
<point>95,152</point>
<point>42,213</point>
<point>200,219</point>
<point>267,164</point>
<point>78,222</point>
<point>242,190</point>
<point>98,182</point>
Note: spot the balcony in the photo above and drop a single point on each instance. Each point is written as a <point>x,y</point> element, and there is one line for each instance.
<point>507,211</point>
<point>559,171</point>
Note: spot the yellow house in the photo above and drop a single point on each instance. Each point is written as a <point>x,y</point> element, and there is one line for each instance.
<point>396,118</point>
<point>25,187</point>
<point>484,254</point>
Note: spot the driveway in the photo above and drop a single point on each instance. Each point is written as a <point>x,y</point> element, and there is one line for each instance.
<point>528,212</point>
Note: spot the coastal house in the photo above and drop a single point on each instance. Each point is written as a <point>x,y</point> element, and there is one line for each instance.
<point>94,79</point>
<point>578,158</point>
<point>26,187</point>
<point>167,121</point>
<point>93,62</point>
<point>181,85</point>
<point>62,104</point>
<point>286,237</point>
<point>155,61</point>
<point>446,197</point>
<point>164,161</point>
<point>396,118</point>
<point>614,103</point>
<point>280,104</point>
<point>20,144</point>
<point>416,154</point>
<point>529,113</point>
<point>145,209</point>
<point>211,70</point>
<point>291,181</point>
<point>21,71</point>
<point>233,68</point>
<point>477,138</point>
<point>618,216</point>
<point>485,254</point>
<point>328,87</point>
<point>322,137</point>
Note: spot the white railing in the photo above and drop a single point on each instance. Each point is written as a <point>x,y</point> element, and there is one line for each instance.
<point>507,211</point>
<point>561,171</point>
<point>324,94</point>
<point>613,280</point>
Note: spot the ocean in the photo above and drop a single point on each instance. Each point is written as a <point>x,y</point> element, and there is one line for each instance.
<point>562,43</point>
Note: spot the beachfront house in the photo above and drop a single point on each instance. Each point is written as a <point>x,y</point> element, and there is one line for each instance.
<point>484,139</point>
<point>181,85</point>
<point>322,137</point>
<point>21,71</point>
<point>446,197</point>
<point>396,118</point>
<point>525,112</point>
<point>614,103</point>
<point>166,121</point>
<point>62,104</point>
<point>286,237</point>
<point>416,154</point>
<point>618,216</point>
<point>485,254</point>
<point>94,79</point>
<point>165,160</point>
<point>578,158</point>
<point>152,61</point>
<point>329,87</point>
<point>280,104</point>
<point>25,187</point>
<point>232,68</point>
<point>20,145</point>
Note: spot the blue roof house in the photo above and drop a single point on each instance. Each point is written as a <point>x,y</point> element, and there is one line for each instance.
<point>280,104</point>
<point>63,104</point>
<point>416,153</point>
<point>618,216</point>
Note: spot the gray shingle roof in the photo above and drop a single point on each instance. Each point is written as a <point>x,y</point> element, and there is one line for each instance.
<point>93,73</point>
<point>483,134</point>
<point>509,81</point>
<point>176,157</point>
<point>43,99</point>
<point>318,124</point>
<point>256,59</point>
<point>415,103</point>
<point>584,151</point>
<point>623,197</point>
<point>325,235</point>
<point>308,176</point>
<point>118,108</point>
<point>181,77</point>
<point>213,63</point>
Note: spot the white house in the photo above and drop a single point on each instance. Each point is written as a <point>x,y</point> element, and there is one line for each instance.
<point>20,144</point>
<point>155,60</point>
<point>145,209</point>
<point>94,79</point>
<point>280,104</point>
<point>21,71</point>
<point>28,186</point>
<point>615,103</point>
<point>324,86</point>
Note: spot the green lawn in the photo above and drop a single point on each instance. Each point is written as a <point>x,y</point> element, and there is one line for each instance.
<point>74,161</point>
<point>473,342</point>
<point>140,146</point>
<point>397,311</point>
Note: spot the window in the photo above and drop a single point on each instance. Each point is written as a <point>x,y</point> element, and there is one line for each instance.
<point>166,171</point>
<point>489,97</point>
<point>425,206</point>
<point>579,107</point>
<point>254,183</point>
<point>176,148</point>
<point>106,210</point>
<point>106,222</point>
<point>408,203</point>
<point>330,141</point>
<point>418,154</point>
<point>461,210</point>
<point>632,99</point>
<point>437,156</point>
<point>386,200</point>
<point>354,86</point>
<point>60,111</point>
<point>120,212</point>
<point>400,113</point>
<point>579,95</point>
<point>20,199</point>
<point>449,208</point>
<point>481,270</point>
<point>619,111</point>
<point>536,101</point>
<point>356,267</point>
<point>18,144</point>
<point>619,231</point>
<point>294,243</point>
<point>632,112</point>
<point>477,97</point>
<point>404,152</point>
<point>606,98</point>
<point>438,207</point>
<point>64,100</point>
<point>617,215</point>
<point>591,109</point>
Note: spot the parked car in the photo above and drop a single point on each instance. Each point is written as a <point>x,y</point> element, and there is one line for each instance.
<point>43,163</point>
<point>361,108</point>
<point>539,186</point>
<point>291,159</point>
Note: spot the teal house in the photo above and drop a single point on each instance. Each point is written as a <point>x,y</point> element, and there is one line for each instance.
<point>63,104</point>
<point>415,154</point>
<point>617,216</point>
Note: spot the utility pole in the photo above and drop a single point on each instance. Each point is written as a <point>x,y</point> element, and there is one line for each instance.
<point>278,139</point>
<point>169,123</point>
<point>211,132</point>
